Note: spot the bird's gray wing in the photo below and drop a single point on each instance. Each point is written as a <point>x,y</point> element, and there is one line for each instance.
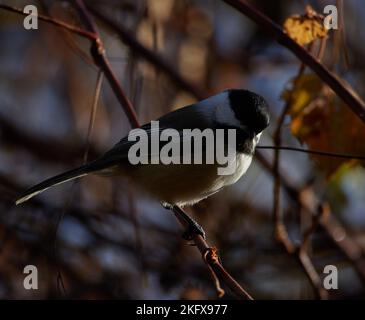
<point>188,117</point>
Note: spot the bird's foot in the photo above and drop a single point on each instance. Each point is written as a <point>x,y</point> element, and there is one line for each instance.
<point>193,228</point>
<point>167,206</point>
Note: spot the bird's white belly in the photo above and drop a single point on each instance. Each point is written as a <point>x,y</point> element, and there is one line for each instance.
<point>187,184</point>
<point>243,161</point>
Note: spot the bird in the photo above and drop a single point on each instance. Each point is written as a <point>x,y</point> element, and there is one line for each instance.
<point>180,184</point>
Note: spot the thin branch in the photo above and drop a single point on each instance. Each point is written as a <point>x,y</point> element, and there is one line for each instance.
<point>147,54</point>
<point>69,40</point>
<point>210,256</point>
<point>98,52</point>
<point>274,30</point>
<point>280,232</point>
<point>316,152</point>
<point>99,82</point>
<point>81,32</point>
<point>303,252</point>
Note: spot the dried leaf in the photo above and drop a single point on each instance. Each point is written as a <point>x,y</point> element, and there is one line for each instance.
<point>322,121</point>
<point>306,28</point>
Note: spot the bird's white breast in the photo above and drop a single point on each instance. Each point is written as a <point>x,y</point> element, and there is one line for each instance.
<point>243,162</point>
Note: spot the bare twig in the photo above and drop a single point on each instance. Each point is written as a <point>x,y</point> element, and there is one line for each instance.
<point>94,107</point>
<point>280,231</point>
<point>147,54</point>
<point>69,40</point>
<point>303,252</point>
<point>98,52</point>
<point>316,152</point>
<point>210,256</point>
<point>81,32</point>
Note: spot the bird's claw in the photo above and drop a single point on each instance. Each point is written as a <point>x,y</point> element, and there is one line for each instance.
<point>193,229</point>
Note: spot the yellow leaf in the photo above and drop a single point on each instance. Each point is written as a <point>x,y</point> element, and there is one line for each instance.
<point>306,28</point>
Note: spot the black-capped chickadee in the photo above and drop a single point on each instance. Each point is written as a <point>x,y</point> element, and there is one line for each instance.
<point>183,184</point>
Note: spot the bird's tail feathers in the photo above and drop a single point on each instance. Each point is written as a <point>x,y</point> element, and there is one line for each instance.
<point>79,172</point>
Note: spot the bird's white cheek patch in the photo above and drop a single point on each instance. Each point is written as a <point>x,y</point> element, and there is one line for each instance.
<point>257,139</point>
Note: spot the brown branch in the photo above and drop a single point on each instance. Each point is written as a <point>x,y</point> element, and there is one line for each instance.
<point>81,32</point>
<point>94,108</point>
<point>98,53</point>
<point>280,232</point>
<point>210,257</point>
<point>275,31</point>
<point>303,252</point>
<point>147,54</point>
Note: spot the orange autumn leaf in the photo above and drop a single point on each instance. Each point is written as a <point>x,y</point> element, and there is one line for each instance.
<point>306,28</point>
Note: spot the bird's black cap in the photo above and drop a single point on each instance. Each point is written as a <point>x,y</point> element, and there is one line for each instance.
<point>250,109</point>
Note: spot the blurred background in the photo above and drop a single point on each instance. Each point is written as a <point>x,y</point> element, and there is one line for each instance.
<point>98,238</point>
